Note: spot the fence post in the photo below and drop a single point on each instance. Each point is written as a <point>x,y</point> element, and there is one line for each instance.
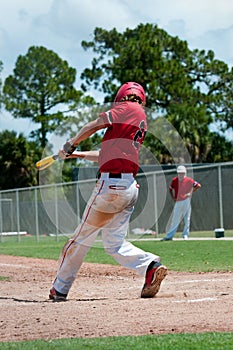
<point>155,204</point>
<point>77,203</point>
<point>36,216</point>
<point>17,214</point>
<point>56,213</point>
<point>220,196</point>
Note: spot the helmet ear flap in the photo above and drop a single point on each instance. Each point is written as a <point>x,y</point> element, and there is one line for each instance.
<point>131,88</point>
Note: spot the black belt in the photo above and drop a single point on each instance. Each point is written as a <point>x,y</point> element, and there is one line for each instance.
<point>114,176</point>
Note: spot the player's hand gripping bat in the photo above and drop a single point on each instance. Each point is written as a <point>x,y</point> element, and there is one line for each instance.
<point>47,161</point>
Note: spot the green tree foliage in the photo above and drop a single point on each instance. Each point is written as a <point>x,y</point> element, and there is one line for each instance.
<point>190,88</point>
<point>221,150</point>
<point>17,161</point>
<point>223,106</point>
<point>41,86</point>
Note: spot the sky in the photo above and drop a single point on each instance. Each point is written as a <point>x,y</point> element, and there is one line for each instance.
<point>61,25</point>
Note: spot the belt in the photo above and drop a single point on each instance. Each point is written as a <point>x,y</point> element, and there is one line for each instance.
<point>116,175</point>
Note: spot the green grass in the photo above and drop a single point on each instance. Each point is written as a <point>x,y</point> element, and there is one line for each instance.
<point>193,256</point>
<point>203,341</point>
<point>190,256</point>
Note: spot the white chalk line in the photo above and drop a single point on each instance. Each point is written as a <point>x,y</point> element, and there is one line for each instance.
<point>16,266</point>
<point>202,280</point>
<point>195,300</point>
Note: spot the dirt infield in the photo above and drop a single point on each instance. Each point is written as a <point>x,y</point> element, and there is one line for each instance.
<point>105,301</point>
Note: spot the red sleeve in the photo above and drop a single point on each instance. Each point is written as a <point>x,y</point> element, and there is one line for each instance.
<point>195,184</point>
<point>107,118</point>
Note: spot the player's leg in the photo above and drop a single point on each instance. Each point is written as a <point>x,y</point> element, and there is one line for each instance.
<point>124,252</point>
<point>175,221</point>
<point>129,256</point>
<point>76,248</point>
<point>187,216</point>
<point>72,257</point>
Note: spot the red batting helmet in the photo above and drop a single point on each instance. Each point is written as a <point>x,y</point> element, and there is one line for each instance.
<point>131,88</point>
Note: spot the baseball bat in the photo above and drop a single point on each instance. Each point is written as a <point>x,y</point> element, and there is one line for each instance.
<point>46,162</point>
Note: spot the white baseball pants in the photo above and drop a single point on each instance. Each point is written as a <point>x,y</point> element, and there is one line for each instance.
<point>181,211</point>
<point>108,209</point>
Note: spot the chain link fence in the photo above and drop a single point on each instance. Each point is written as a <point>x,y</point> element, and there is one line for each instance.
<point>56,209</point>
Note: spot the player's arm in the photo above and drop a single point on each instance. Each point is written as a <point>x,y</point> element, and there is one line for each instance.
<point>85,132</point>
<point>88,155</point>
<point>171,191</point>
<point>194,188</point>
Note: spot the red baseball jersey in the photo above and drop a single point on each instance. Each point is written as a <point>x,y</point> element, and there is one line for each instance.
<point>126,128</point>
<point>182,187</point>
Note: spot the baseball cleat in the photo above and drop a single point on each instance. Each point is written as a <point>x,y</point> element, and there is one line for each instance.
<point>154,278</point>
<point>56,296</point>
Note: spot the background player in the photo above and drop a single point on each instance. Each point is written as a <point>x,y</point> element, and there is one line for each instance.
<point>181,190</point>
<point>112,202</point>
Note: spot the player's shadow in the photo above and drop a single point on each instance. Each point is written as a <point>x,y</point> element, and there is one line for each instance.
<point>48,300</point>
<point>22,300</point>
<point>91,299</point>
<point>33,301</point>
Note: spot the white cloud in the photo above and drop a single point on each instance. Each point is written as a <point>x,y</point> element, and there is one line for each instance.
<point>19,125</point>
<point>220,41</point>
<point>199,15</point>
<point>205,24</point>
